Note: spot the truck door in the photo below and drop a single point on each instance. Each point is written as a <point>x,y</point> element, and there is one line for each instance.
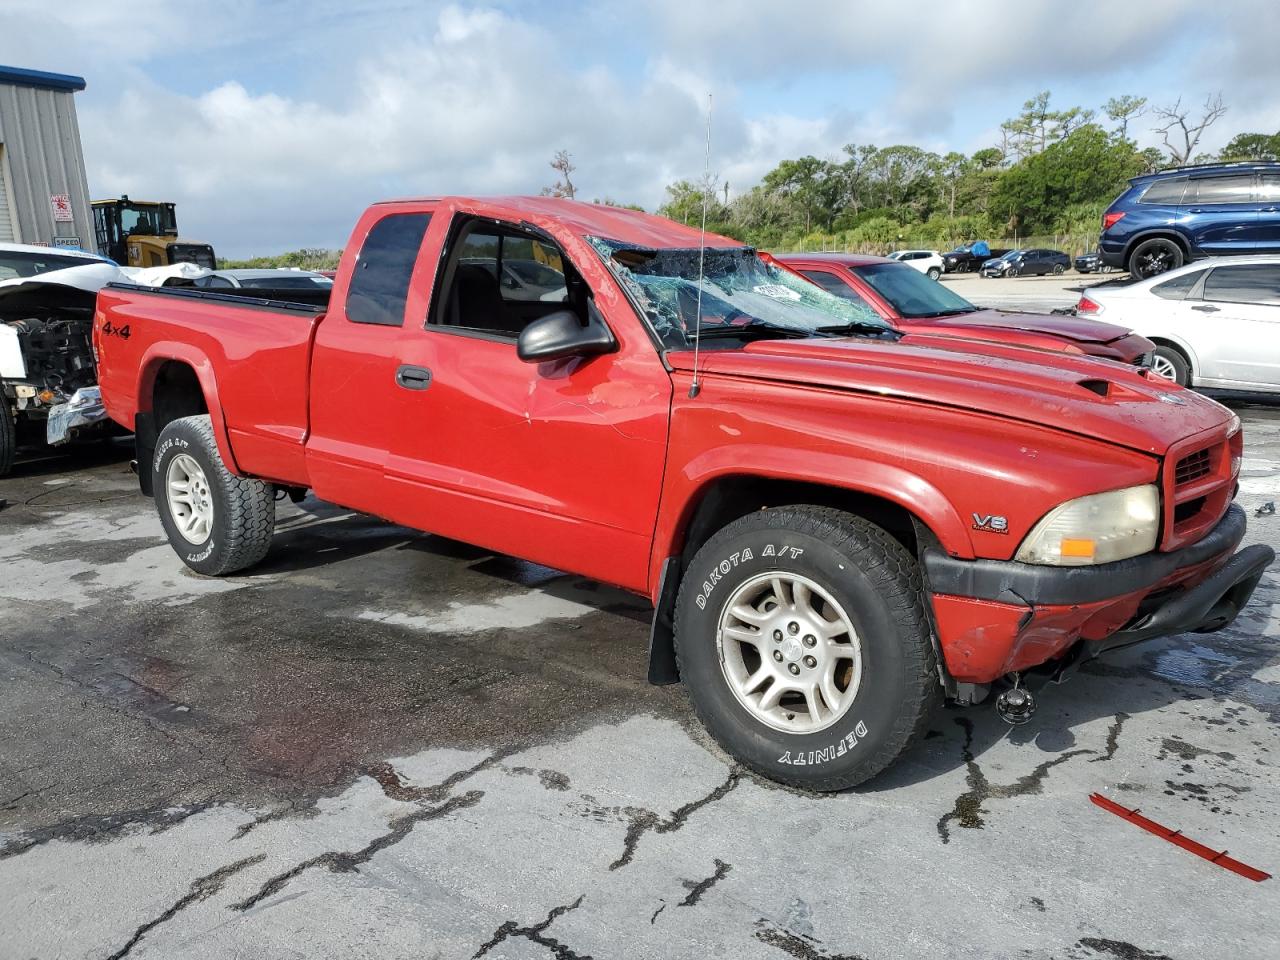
<point>558,462</point>
<point>355,391</point>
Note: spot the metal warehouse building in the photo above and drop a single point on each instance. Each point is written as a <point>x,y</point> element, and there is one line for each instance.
<point>44,191</point>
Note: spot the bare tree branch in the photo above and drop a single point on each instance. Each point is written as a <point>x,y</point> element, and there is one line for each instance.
<point>1181,132</point>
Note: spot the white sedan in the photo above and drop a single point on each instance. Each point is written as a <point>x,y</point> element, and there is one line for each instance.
<point>928,262</point>
<point>1215,323</point>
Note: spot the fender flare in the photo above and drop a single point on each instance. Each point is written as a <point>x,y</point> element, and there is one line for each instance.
<point>1187,350</point>
<point>155,357</point>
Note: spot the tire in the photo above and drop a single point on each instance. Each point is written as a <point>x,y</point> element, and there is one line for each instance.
<point>1169,363</point>
<point>231,526</point>
<point>1154,257</point>
<point>933,273</point>
<point>854,573</point>
<point>1012,272</point>
<point>1059,269</point>
<point>8,438</point>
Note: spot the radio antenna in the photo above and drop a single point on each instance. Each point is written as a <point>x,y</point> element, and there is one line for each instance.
<point>696,386</point>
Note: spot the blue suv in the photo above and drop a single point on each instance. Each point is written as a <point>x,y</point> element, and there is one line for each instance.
<point>1168,218</point>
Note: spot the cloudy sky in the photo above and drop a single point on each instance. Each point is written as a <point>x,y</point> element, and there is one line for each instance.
<point>272,124</point>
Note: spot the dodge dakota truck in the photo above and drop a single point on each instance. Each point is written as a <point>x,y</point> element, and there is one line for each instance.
<point>838,524</point>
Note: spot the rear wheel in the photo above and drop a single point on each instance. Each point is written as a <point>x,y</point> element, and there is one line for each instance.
<point>1153,257</point>
<point>217,523</point>
<point>934,273</point>
<point>1059,269</point>
<point>802,639</point>
<point>1168,363</point>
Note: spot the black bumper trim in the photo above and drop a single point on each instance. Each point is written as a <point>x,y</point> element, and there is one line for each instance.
<point>1009,581</point>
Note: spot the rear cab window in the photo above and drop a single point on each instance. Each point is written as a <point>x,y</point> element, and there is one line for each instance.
<point>1165,191</point>
<point>833,284</point>
<point>380,279</point>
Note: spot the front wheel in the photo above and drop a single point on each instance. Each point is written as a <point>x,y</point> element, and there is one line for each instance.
<point>8,437</point>
<point>1012,272</point>
<point>934,273</point>
<point>1154,257</point>
<point>217,523</point>
<point>802,638</point>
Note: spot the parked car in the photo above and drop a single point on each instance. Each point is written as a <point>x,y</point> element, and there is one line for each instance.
<point>928,262</point>
<point>48,380</point>
<point>1188,213</point>
<point>918,308</point>
<point>277,279</point>
<point>1091,263</point>
<point>1023,263</point>
<point>836,527</point>
<point>1215,323</point>
<point>969,257</point>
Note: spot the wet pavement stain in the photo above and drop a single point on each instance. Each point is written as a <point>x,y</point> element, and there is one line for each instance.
<point>202,888</point>
<point>698,888</point>
<point>800,946</point>
<point>1113,738</point>
<point>537,933</point>
<point>1119,949</point>
<point>968,810</point>
<point>642,821</point>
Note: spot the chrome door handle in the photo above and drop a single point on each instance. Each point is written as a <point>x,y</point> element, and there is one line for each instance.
<point>413,378</point>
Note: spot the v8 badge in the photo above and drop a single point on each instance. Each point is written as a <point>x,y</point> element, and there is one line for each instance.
<point>990,523</point>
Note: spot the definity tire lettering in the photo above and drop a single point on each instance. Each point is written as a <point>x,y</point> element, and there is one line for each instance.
<point>842,746</point>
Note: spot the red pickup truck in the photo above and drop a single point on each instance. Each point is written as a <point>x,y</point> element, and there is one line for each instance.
<point>837,525</point>
<point>914,303</point>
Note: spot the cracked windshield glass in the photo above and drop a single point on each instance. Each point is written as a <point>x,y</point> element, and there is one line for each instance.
<point>741,294</point>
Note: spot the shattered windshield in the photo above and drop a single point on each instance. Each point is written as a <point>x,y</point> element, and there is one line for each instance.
<point>740,291</point>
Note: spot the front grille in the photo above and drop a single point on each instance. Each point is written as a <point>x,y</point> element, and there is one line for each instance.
<point>1198,486</point>
<point>1192,467</point>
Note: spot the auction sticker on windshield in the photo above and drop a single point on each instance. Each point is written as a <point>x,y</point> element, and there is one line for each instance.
<point>776,291</point>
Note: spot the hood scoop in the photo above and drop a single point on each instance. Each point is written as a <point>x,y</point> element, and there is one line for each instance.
<point>1101,387</point>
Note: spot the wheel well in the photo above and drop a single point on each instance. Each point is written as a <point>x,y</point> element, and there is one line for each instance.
<point>1158,235</point>
<point>734,497</point>
<point>1162,342</point>
<point>176,393</point>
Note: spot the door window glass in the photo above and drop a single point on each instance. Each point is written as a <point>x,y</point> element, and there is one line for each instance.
<point>833,284</point>
<point>1238,189</point>
<point>1244,283</point>
<point>380,280</point>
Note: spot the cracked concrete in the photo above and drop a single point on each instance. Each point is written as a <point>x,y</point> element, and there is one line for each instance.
<point>260,773</point>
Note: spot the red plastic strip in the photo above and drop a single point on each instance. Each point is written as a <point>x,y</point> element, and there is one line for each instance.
<point>1176,838</point>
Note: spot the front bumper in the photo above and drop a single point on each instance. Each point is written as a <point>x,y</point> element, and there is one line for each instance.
<point>995,617</point>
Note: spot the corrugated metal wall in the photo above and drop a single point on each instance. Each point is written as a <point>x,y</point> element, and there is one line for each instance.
<point>42,154</point>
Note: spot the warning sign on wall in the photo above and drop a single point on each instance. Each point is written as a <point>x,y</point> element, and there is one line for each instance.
<point>61,205</point>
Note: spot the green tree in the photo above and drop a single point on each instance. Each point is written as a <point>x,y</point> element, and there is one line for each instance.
<point>1086,166</point>
<point>1252,146</point>
<point>1123,110</point>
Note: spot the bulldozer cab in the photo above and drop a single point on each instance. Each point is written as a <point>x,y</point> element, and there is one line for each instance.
<point>139,233</point>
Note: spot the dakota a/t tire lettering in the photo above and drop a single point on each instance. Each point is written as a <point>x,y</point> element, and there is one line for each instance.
<point>877,584</point>
<point>244,510</point>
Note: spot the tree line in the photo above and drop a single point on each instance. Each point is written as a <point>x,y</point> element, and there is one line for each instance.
<point>1053,172</point>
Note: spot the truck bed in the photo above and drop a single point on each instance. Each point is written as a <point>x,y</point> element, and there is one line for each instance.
<point>260,346</point>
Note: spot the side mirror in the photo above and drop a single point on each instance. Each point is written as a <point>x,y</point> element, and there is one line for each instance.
<point>562,334</point>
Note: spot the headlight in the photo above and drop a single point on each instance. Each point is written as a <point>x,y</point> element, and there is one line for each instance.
<point>1097,529</point>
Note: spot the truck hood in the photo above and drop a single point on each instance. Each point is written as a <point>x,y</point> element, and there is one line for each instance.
<point>1075,328</point>
<point>1105,401</point>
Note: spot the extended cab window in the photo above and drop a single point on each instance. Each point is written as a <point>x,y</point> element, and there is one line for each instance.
<point>380,280</point>
<point>500,278</point>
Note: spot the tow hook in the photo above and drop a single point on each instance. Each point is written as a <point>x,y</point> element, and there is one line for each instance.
<point>1017,705</point>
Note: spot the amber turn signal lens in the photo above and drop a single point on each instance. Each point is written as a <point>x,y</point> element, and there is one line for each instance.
<point>1077,548</point>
